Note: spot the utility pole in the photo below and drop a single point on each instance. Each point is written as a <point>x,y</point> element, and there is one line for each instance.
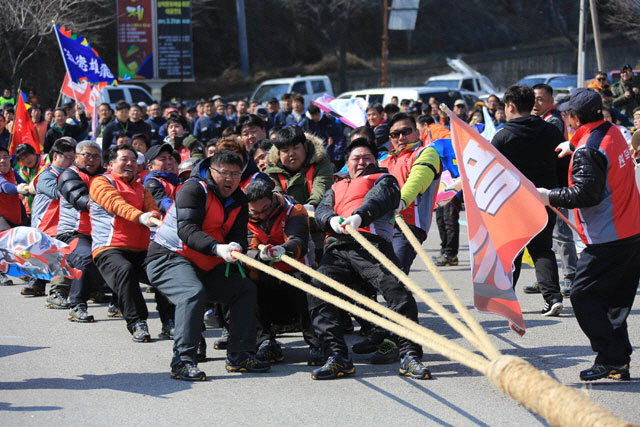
<point>596,34</point>
<point>243,47</point>
<point>581,44</point>
<point>385,44</point>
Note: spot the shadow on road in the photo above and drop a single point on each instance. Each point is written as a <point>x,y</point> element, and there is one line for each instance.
<point>4,406</point>
<point>9,350</point>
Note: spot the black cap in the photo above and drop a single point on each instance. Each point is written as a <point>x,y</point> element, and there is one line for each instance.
<point>626,67</point>
<point>583,100</point>
<point>155,151</point>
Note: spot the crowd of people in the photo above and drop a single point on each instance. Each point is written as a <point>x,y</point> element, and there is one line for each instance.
<point>165,196</point>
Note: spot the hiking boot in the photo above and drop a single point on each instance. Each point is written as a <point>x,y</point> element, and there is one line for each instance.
<point>141,332</point>
<point>79,314</point>
<point>411,366</point>
<point>5,281</point>
<point>245,362</point>
<point>532,289</point>
<point>58,301</point>
<point>201,351</point>
<point>315,357</point>
<point>598,371</point>
<point>168,328</point>
<point>187,371</point>
<point>552,308</point>
<point>113,311</point>
<point>374,337</point>
<point>565,288</point>
<point>387,352</point>
<point>34,288</point>
<point>444,260</point>
<point>222,342</point>
<point>336,366</point>
<point>270,351</point>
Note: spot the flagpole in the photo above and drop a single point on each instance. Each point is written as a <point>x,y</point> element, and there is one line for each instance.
<point>61,52</point>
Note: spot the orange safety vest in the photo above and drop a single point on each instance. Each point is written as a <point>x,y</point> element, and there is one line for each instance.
<point>399,166</point>
<point>349,194</point>
<point>311,171</point>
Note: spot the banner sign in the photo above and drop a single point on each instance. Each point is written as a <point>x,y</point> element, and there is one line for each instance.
<point>174,41</point>
<point>135,39</point>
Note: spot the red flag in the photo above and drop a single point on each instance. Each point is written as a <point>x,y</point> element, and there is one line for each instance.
<point>23,130</point>
<point>504,213</point>
<point>83,93</point>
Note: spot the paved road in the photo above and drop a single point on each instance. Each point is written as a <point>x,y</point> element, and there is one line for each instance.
<point>56,372</point>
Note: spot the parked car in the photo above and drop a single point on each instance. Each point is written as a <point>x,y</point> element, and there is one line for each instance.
<point>310,87</point>
<point>562,85</point>
<point>384,95</point>
<point>535,79</point>
<point>465,78</point>
<point>132,94</point>
<point>614,75</point>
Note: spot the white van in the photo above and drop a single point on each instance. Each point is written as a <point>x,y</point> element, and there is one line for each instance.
<point>132,94</point>
<point>311,87</point>
<point>383,95</point>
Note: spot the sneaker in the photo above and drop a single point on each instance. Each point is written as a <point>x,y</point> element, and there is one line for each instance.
<point>113,311</point>
<point>99,297</point>
<point>411,366</point>
<point>5,281</point>
<point>552,308</point>
<point>270,351</point>
<point>387,352</point>
<point>532,289</point>
<point>565,288</point>
<point>141,332</point>
<point>598,371</point>
<point>35,288</point>
<point>187,371</point>
<point>79,314</point>
<point>58,301</point>
<point>168,328</point>
<point>444,260</point>
<point>222,342</point>
<point>315,357</point>
<point>201,351</point>
<point>374,337</point>
<point>210,319</point>
<point>245,362</point>
<point>336,366</point>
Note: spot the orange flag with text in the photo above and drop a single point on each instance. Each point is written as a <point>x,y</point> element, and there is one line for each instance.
<point>504,213</point>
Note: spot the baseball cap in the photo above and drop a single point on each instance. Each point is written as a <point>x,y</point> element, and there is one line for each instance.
<point>582,100</point>
<point>215,97</point>
<point>155,151</point>
<point>187,165</point>
<point>459,102</point>
<point>626,67</point>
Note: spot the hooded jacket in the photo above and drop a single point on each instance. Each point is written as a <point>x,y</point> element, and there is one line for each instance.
<point>296,183</point>
<point>529,143</point>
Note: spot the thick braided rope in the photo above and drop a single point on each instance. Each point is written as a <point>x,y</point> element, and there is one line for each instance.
<point>558,404</point>
<point>487,346</point>
<point>451,351</point>
<point>413,287</point>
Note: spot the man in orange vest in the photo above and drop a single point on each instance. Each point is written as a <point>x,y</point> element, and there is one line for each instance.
<point>186,262</point>
<point>121,211</point>
<point>280,224</point>
<point>365,200</point>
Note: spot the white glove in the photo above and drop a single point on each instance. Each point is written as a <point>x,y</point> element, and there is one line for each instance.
<point>309,208</point>
<point>23,188</point>
<point>270,252</point>
<point>335,222</point>
<point>145,219</point>
<point>544,195</point>
<point>564,149</point>
<point>353,220</point>
<point>224,251</point>
<point>401,206</point>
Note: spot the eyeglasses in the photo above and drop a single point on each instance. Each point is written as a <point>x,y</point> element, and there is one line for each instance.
<point>228,174</point>
<point>601,79</point>
<point>89,155</point>
<point>404,132</point>
<point>267,209</point>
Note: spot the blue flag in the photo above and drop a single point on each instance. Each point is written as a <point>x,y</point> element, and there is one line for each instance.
<point>82,61</point>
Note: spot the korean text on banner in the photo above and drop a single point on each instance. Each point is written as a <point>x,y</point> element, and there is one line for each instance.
<point>504,213</point>
<point>82,61</point>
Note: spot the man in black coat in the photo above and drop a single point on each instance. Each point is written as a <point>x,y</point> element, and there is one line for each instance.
<point>529,143</point>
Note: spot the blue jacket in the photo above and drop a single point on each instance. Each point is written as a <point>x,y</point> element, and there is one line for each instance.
<point>209,127</point>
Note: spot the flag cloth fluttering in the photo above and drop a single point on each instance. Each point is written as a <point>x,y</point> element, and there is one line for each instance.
<point>23,130</point>
<point>504,213</point>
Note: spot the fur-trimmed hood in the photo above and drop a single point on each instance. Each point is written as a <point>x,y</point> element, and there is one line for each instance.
<point>315,151</point>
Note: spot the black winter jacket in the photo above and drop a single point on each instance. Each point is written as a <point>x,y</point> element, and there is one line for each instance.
<point>529,143</point>
<point>73,189</point>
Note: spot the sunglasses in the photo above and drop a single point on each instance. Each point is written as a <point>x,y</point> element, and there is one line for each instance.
<point>601,79</point>
<point>404,132</point>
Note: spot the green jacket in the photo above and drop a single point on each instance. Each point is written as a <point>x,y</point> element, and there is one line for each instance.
<point>296,183</point>
<point>626,105</point>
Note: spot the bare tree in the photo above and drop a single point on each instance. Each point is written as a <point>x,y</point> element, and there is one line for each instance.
<point>28,27</point>
<point>624,16</point>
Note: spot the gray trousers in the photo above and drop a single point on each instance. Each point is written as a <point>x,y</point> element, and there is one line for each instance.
<point>564,245</point>
<point>188,287</point>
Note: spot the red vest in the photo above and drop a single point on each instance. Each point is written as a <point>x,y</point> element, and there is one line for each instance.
<point>46,211</point>
<point>213,224</point>
<point>245,183</point>
<point>10,203</point>
<point>311,171</point>
<point>349,194</point>
<point>108,230</point>
<point>276,235</point>
<point>399,166</point>
<point>72,220</point>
